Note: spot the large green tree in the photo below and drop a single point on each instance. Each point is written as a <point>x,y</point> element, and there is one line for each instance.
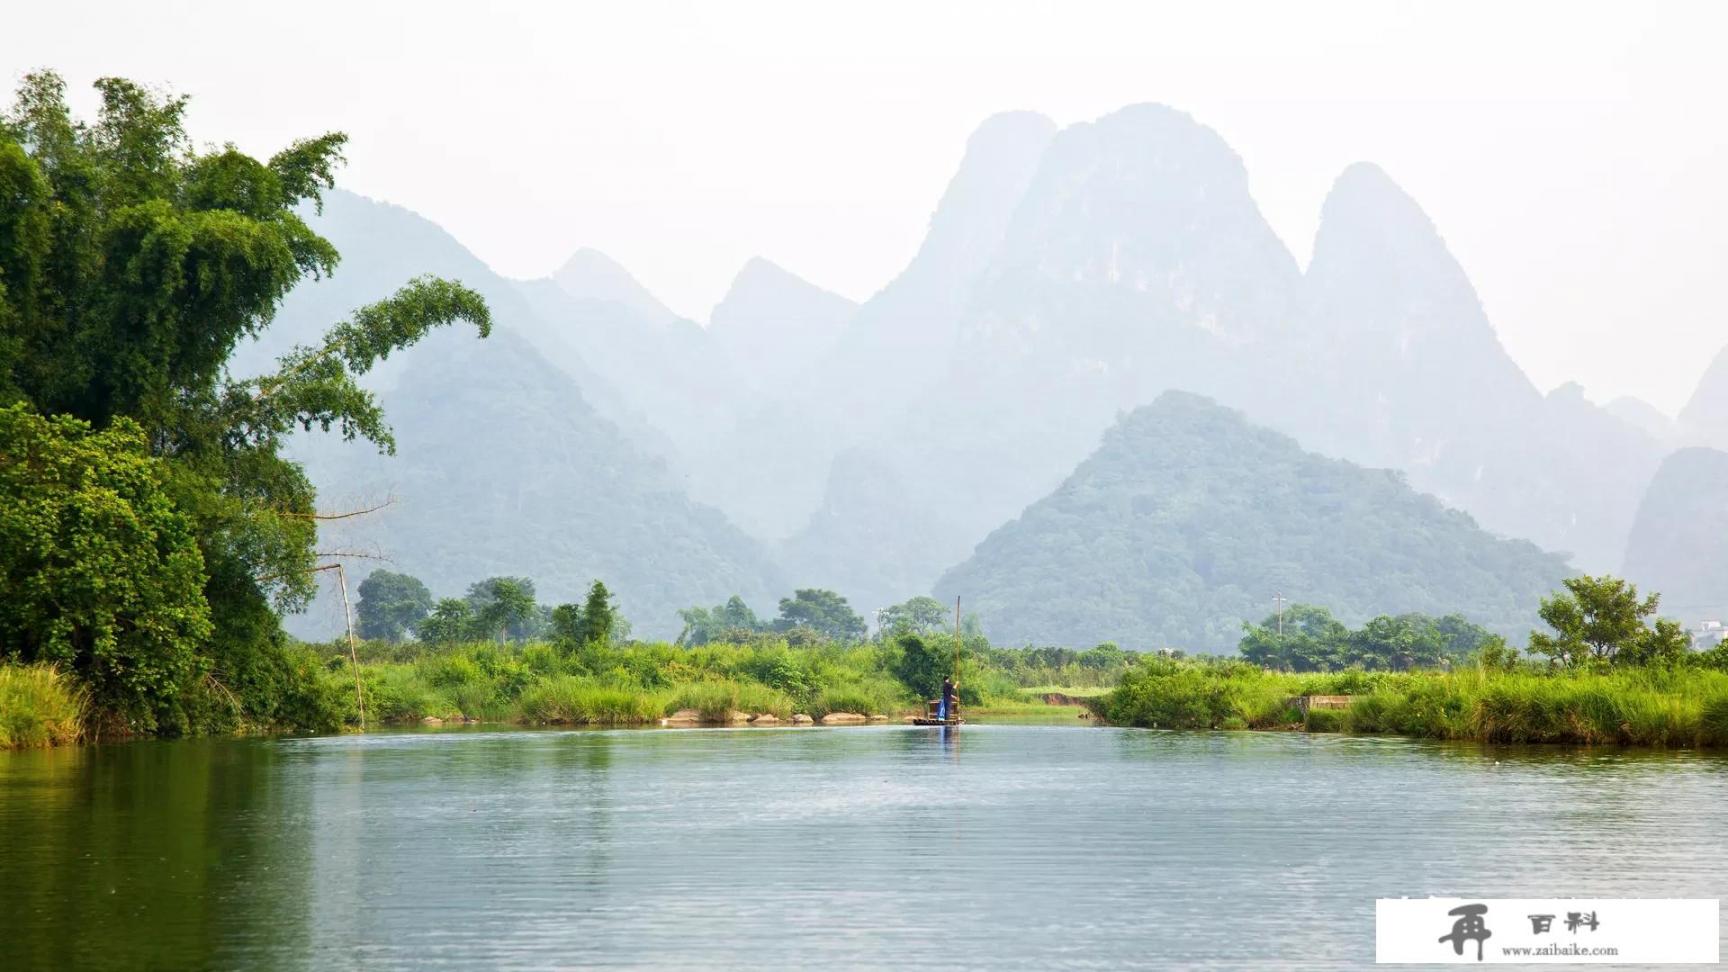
<point>822,611</point>
<point>1601,621</point>
<point>920,615</point>
<point>131,264</point>
<point>504,608</point>
<point>390,605</point>
<point>732,621</point>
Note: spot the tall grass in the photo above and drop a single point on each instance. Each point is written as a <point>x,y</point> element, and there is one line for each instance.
<point>39,707</point>
<point>572,700</point>
<point>865,696</point>
<point>715,701</point>
<point>1643,707</point>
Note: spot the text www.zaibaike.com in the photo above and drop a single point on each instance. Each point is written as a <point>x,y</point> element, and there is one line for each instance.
<point>1556,949</point>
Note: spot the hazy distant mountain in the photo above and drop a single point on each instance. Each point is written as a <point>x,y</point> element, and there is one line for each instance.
<point>503,465</point>
<point>1645,417</point>
<point>899,343</point>
<point>1403,369</point>
<point>1705,418</point>
<point>1679,543</point>
<point>1188,519</point>
<point>592,275</point>
<point>775,327</point>
<point>870,539</point>
<point>668,374</point>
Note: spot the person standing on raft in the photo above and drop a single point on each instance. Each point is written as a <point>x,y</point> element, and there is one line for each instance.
<point>949,694</point>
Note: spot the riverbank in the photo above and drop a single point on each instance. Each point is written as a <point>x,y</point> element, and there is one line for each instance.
<point>1655,707</point>
<point>760,683</point>
<point>39,707</point>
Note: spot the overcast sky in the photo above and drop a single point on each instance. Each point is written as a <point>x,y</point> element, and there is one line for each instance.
<point>1574,156</point>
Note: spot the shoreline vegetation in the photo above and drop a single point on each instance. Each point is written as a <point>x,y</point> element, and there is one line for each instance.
<point>1607,673</point>
<point>1659,708</point>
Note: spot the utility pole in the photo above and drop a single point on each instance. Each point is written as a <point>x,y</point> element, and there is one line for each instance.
<point>1279,600</point>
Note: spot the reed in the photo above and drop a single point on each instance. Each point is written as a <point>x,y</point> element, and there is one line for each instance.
<point>572,700</point>
<point>39,706</point>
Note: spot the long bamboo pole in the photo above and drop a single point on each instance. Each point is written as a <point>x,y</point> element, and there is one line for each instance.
<point>353,657</point>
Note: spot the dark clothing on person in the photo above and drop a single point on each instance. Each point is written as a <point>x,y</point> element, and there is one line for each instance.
<point>948,694</point>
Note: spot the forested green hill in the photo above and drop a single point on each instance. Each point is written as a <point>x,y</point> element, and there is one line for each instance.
<point>1189,520</point>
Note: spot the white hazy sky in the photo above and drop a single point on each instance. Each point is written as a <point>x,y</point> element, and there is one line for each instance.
<point>1574,155</point>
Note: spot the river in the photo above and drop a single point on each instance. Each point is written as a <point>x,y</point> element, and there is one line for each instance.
<point>989,847</point>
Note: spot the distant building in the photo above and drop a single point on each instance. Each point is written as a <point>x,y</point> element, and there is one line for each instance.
<point>1708,634</point>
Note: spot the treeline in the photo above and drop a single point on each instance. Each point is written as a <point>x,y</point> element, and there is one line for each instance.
<point>1595,623</point>
<point>1308,638</point>
<point>394,607</point>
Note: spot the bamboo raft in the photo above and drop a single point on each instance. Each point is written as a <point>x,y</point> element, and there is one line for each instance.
<point>932,718</point>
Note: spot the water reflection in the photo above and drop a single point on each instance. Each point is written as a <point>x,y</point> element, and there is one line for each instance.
<point>1041,846</point>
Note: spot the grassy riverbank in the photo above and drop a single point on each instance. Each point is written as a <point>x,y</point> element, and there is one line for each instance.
<point>1665,707</point>
<point>39,707</point>
<point>544,683</point>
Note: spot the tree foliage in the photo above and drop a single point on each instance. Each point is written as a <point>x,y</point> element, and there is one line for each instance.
<point>1601,621</point>
<point>451,620</point>
<point>101,573</point>
<point>1312,640</point>
<point>921,663</point>
<point>131,264</point>
<point>504,608</point>
<point>823,612</point>
<point>920,615</point>
<point>390,605</point>
<point>733,621</point>
<point>596,621</point>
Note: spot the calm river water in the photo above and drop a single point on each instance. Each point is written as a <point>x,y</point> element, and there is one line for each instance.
<point>993,847</point>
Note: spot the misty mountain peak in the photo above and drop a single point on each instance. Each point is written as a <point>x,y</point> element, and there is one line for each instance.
<point>592,275</point>
<point>775,324</point>
<point>1370,227</point>
<point>1381,268</point>
<point>1141,227</point>
<point>1706,415</point>
<point>763,288</point>
<point>1001,156</point>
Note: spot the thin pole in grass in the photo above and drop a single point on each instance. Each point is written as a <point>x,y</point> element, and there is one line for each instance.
<point>353,656</point>
<point>348,620</point>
